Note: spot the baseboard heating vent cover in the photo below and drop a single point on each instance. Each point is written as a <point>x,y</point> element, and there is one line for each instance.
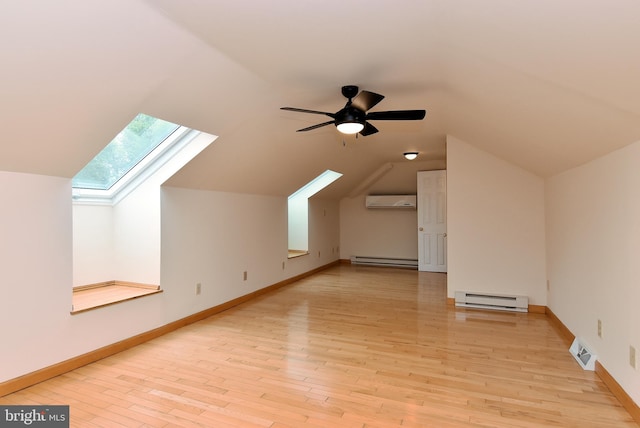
<point>500,302</point>
<point>384,261</point>
<point>583,354</point>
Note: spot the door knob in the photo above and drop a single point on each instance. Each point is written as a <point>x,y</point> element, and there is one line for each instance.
<point>445,235</point>
<point>421,229</point>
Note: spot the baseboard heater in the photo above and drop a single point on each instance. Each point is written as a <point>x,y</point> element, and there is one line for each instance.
<point>384,261</point>
<point>498,302</point>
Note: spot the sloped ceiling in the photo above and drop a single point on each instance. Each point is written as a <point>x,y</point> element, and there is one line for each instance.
<point>544,84</point>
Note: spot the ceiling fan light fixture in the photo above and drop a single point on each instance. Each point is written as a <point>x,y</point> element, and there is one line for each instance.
<point>350,127</point>
<point>354,118</point>
<point>410,155</point>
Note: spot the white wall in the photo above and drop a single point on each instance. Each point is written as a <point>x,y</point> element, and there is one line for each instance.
<point>137,235</point>
<point>212,238</point>
<point>93,246</point>
<point>35,262</point>
<point>206,237</point>
<point>324,236</point>
<point>377,233</point>
<point>496,225</point>
<point>593,235</point>
<point>35,291</point>
<point>383,233</point>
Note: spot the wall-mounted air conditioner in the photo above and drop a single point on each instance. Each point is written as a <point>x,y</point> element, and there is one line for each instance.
<point>391,201</point>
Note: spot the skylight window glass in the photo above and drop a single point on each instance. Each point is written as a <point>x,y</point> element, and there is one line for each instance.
<point>141,136</point>
<point>316,185</point>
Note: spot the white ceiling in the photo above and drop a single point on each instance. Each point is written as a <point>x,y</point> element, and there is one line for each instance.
<point>545,84</point>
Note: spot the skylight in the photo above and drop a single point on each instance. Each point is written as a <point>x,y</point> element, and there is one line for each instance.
<point>141,136</point>
<point>298,211</point>
<point>316,185</point>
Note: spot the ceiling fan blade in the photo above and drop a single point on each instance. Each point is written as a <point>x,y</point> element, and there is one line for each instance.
<point>316,126</point>
<point>366,100</point>
<point>368,129</point>
<point>302,110</point>
<point>397,115</point>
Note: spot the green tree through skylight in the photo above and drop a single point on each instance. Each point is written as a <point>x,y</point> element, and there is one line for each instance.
<point>142,135</point>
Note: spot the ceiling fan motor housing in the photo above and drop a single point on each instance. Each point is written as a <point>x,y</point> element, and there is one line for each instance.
<point>349,115</point>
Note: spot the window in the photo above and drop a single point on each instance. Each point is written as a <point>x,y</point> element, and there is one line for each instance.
<point>299,211</point>
<point>142,147</point>
<point>116,241</point>
<point>142,135</point>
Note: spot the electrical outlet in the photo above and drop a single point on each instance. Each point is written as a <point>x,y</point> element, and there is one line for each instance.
<point>632,357</point>
<point>198,288</point>
<point>244,276</point>
<point>600,329</point>
<point>283,265</point>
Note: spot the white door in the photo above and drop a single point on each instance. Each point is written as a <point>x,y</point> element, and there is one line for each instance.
<point>432,221</point>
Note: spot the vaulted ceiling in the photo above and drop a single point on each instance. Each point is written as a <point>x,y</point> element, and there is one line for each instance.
<point>546,85</point>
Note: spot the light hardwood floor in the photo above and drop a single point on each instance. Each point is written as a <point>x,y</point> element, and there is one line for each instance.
<point>348,347</point>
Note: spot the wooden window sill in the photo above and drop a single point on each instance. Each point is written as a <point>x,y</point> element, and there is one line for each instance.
<point>92,296</point>
<point>296,253</point>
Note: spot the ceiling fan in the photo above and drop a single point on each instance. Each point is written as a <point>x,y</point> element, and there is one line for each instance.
<point>353,117</point>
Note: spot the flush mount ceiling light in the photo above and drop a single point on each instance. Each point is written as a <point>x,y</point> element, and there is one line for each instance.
<point>410,155</point>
